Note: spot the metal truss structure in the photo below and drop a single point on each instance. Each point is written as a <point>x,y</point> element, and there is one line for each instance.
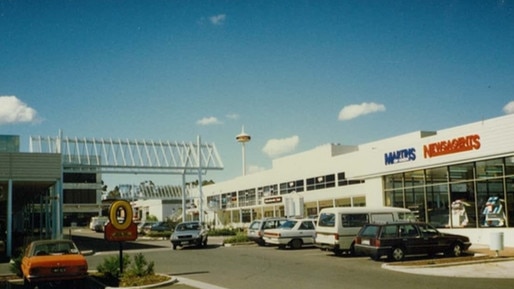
<point>150,191</point>
<point>130,156</point>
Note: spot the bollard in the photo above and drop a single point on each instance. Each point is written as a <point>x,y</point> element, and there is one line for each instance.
<point>496,242</point>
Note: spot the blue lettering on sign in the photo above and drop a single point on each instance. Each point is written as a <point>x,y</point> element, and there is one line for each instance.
<point>400,156</point>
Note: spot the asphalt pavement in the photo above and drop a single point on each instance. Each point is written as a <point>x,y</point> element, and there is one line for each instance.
<point>501,265</point>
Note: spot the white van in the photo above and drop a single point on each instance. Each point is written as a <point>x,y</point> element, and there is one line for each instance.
<point>337,227</point>
<point>98,220</point>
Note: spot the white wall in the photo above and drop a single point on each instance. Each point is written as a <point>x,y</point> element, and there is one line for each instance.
<point>483,237</point>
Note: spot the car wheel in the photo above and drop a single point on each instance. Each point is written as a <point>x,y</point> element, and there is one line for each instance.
<point>397,254</point>
<point>205,242</point>
<point>455,250</point>
<point>352,250</point>
<point>338,251</point>
<point>174,246</point>
<point>296,243</point>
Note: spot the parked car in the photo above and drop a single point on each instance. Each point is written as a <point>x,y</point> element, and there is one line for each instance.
<point>189,234</point>
<point>396,240</point>
<point>159,227</point>
<point>292,233</point>
<point>98,220</point>
<point>144,226</point>
<point>100,226</point>
<point>257,227</point>
<point>53,262</point>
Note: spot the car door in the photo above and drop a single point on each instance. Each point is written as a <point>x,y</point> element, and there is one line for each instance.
<point>412,239</point>
<point>307,231</point>
<point>431,238</point>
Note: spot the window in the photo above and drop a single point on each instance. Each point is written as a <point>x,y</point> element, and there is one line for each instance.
<point>306,225</point>
<point>291,187</point>
<point>389,231</point>
<point>354,220</point>
<point>79,178</point>
<point>79,196</point>
<point>369,231</point>
<point>321,182</point>
<point>408,231</point>
<point>327,220</point>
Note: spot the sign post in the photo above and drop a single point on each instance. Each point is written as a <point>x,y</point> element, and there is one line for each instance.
<point>120,228</point>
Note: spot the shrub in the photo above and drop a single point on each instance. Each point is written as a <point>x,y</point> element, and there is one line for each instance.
<point>137,273</point>
<point>15,265</point>
<point>111,266</point>
<point>240,237</point>
<point>140,267</point>
<point>223,232</point>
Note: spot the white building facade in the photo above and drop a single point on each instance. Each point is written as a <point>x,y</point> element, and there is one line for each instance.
<point>459,179</point>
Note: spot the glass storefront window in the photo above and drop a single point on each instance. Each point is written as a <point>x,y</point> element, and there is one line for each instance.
<point>325,204</point>
<point>491,203</point>
<point>311,209</point>
<point>479,194</point>
<point>415,201</point>
<point>359,201</point>
<point>489,169</point>
<point>437,175</point>
<point>414,178</point>
<point>394,198</point>
<point>345,202</point>
<point>509,166</point>
<point>393,181</point>
<point>509,201</point>
<point>461,172</point>
<point>438,205</point>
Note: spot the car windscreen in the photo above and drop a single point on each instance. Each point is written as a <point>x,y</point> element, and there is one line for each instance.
<point>187,227</point>
<point>327,220</point>
<point>255,225</point>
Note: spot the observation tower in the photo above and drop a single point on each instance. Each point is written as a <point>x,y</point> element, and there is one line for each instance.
<point>243,138</point>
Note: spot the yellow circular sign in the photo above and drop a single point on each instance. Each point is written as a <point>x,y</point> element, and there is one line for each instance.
<point>120,214</point>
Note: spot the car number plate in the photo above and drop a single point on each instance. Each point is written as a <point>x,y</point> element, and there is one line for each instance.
<point>184,242</point>
<point>365,242</point>
<point>58,270</point>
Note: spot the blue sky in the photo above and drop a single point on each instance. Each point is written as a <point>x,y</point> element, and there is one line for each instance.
<point>295,74</point>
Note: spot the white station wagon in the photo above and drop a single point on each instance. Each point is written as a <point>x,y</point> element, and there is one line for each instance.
<point>293,233</point>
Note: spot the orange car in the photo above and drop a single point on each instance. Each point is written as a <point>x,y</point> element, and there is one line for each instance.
<point>53,261</point>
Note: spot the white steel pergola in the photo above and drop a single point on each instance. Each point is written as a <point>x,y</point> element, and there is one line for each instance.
<point>119,156</point>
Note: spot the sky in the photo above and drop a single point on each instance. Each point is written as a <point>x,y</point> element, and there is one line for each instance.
<point>295,74</point>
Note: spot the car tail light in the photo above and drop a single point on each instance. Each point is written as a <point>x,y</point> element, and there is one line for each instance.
<point>357,240</point>
<point>376,242</point>
<point>336,237</point>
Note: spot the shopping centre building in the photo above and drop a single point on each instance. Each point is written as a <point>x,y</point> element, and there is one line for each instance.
<point>460,179</point>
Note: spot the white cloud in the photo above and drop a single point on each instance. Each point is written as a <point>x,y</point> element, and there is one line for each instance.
<point>208,121</point>
<point>275,147</point>
<point>509,108</point>
<point>355,110</point>
<point>218,19</point>
<point>232,116</point>
<point>13,110</point>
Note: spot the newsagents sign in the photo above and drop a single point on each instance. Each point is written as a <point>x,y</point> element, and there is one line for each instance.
<point>435,149</point>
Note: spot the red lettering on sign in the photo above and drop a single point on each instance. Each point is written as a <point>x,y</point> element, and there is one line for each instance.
<point>456,145</point>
